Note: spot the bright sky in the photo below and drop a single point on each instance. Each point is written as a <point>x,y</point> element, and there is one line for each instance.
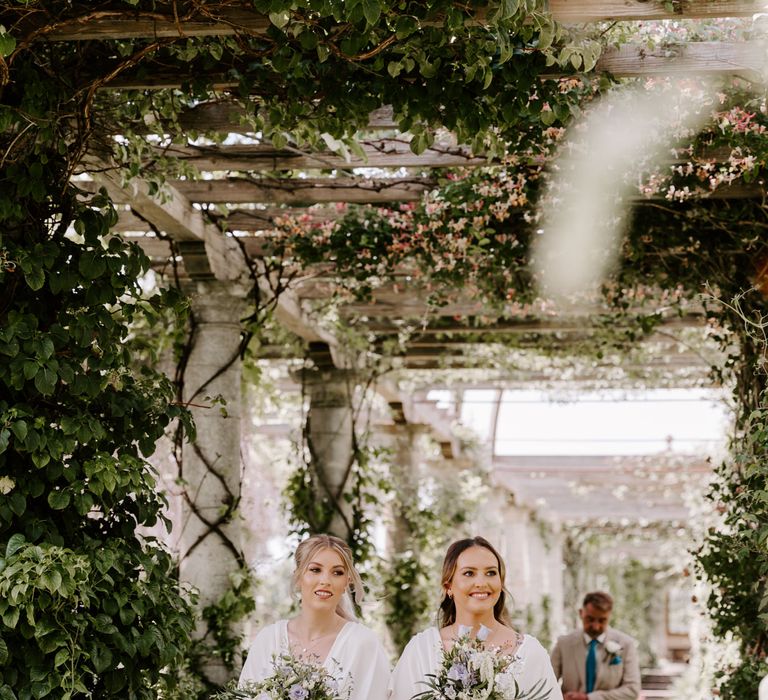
<point>600,423</point>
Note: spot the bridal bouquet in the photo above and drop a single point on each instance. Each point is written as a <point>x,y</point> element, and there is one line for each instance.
<point>293,679</point>
<point>470,671</point>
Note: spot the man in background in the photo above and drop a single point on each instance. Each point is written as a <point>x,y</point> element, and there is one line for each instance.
<point>597,662</point>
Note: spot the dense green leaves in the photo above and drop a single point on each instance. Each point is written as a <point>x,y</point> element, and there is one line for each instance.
<point>86,609</point>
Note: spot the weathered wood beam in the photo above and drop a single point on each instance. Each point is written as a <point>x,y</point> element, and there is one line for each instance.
<point>305,192</point>
<point>250,220</point>
<point>514,327</point>
<point>711,58</point>
<point>207,252</point>
<point>295,191</point>
<point>125,24</point>
<point>227,22</point>
<point>597,10</point>
<point>379,153</point>
<point>226,115</point>
<point>701,58</point>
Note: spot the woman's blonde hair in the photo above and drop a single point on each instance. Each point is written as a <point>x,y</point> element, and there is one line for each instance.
<point>306,551</point>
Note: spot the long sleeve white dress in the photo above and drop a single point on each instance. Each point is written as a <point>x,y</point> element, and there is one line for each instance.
<point>423,655</point>
<point>356,653</point>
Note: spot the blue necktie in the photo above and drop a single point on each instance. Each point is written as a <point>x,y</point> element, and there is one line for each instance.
<point>591,665</point>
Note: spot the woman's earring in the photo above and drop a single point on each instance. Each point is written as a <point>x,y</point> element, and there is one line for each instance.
<point>450,595</point>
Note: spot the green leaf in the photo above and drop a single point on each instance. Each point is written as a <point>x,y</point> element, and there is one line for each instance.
<point>102,658</point>
<point>5,436</point>
<point>216,50</point>
<point>59,499</point>
<point>35,278</point>
<point>51,580</point>
<point>92,264</point>
<point>14,544</point>
<point>18,503</point>
<point>45,381</point>
<point>7,43</point>
<point>62,656</point>
<point>19,429</point>
<point>576,60</point>
<point>279,19</point>
<point>371,11</point>
<point>11,617</point>
<point>406,26</point>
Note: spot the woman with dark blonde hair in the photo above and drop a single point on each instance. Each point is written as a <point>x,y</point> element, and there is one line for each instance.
<point>473,603</point>
<point>325,631</point>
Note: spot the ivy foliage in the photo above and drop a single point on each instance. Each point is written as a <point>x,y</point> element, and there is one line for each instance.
<point>320,67</point>
<point>86,608</point>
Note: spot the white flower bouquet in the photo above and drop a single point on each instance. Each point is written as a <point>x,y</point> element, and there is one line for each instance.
<point>293,679</point>
<point>471,671</point>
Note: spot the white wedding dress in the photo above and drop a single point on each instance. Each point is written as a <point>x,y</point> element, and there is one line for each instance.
<point>423,655</point>
<point>356,653</point>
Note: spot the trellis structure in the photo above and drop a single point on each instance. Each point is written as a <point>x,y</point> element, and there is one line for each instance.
<point>256,182</point>
<point>217,257</point>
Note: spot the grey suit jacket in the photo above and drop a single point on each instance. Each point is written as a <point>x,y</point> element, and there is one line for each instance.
<point>615,681</point>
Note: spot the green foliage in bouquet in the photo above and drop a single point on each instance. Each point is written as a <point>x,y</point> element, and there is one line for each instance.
<point>472,671</point>
<point>292,679</point>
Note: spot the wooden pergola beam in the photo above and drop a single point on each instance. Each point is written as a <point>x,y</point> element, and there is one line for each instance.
<point>700,58</point>
<point>516,327</point>
<point>206,250</point>
<point>392,152</point>
<point>295,192</point>
<point>250,220</point>
<point>306,192</point>
<point>379,153</point>
<point>231,21</point>
<point>710,58</point>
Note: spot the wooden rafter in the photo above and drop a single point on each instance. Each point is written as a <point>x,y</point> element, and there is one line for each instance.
<point>209,252</point>
<point>379,153</point>
<point>251,220</point>
<point>507,327</point>
<point>228,22</point>
<point>297,191</point>
<point>711,58</point>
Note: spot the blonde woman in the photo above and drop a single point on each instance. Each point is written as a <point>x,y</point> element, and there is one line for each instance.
<point>473,602</point>
<point>325,630</point>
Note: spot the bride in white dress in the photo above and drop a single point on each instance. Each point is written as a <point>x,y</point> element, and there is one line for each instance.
<point>473,597</point>
<point>325,630</point>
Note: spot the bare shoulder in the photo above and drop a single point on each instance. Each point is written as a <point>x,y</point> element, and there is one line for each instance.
<point>508,640</point>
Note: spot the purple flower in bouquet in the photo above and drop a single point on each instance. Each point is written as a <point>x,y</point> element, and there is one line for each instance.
<point>298,692</point>
<point>459,672</point>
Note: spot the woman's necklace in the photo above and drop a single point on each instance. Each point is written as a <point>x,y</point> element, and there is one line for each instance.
<point>308,643</point>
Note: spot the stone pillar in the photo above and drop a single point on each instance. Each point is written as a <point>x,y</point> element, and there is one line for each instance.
<point>330,438</point>
<point>210,539</point>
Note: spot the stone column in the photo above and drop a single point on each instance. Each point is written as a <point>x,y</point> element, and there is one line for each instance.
<point>210,539</point>
<point>330,439</point>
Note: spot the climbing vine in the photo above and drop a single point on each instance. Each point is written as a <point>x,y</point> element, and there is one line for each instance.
<point>77,423</point>
<point>344,509</point>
